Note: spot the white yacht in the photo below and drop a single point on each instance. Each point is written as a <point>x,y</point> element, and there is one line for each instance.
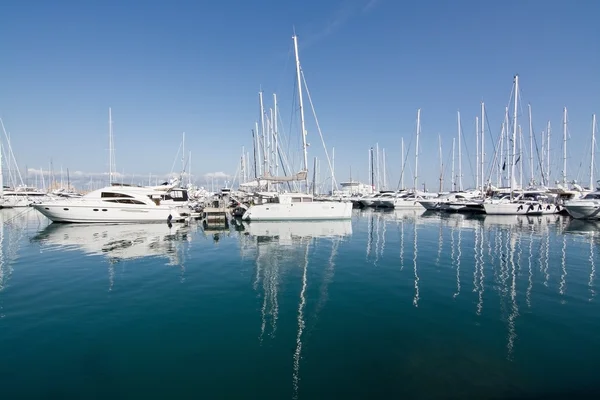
<point>295,206</point>
<point>408,201</point>
<point>114,204</point>
<point>587,207</point>
<point>526,203</point>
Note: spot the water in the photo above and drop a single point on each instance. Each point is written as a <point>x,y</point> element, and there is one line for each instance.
<point>389,305</point>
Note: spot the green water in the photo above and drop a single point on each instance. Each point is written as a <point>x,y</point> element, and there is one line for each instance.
<point>389,305</point>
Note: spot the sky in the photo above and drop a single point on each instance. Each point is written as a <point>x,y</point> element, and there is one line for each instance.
<point>168,67</point>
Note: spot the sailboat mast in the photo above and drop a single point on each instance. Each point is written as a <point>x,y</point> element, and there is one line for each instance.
<point>460,186</point>
<point>520,157</point>
<point>332,169</point>
<point>275,135</point>
<point>548,130</point>
<point>301,105</point>
<point>384,179</point>
<point>441,164</point>
<point>532,178</point>
<point>477,152</point>
<point>453,188</point>
<point>514,138</point>
<point>402,169</point>
<point>593,149</point>
<point>257,163</point>
<point>262,129</point>
<point>482,146</point>
<point>372,169</point>
<point>417,150</point>
<point>377,165</point>
<point>110,148</point>
<point>564,172</point>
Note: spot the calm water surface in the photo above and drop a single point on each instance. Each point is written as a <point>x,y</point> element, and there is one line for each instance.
<point>388,305</point>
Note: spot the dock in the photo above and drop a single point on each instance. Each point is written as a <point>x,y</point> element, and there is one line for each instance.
<point>216,214</point>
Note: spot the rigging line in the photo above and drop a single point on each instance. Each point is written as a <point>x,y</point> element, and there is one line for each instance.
<point>465,147</point>
<point>405,161</point>
<point>319,129</point>
<point>285,66</point>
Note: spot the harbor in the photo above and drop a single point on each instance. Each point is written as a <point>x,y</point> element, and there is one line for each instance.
<point>453,305</point>
<point>355,199</point>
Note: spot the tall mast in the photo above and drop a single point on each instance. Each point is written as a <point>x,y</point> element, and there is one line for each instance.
<point>564,172</point>
<point>477,152</point>
<point>300,103</point>
<point>377,165</point>
<point>531,179</point>
<point>402,169</point>
<point>182,156</point>
<point>372,169</point>
<point>417,150</point>
<point>593,149</point>
<point>453,186</point>
<point>262,130</point>
<point>543,160</point>
<point>257,162</point>
<point>520,157</point>
<point>332,169</point>
<point>514,138</point>
<point>460,186</point>
<point>441,164</point>
<point>384,179</point>
<point>482,146</point>
<point>548,130</point>
<point>110,148</point>
<point>275,135</point>
<point>499,170</point>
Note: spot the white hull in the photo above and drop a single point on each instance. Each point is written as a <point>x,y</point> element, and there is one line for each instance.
<point>299,211</point>
<point>520,208</point>
<point>431,204</point>
<point>584,211</point>
<point>83,212</point>
<point>407,205</point>
<point>15,202</point>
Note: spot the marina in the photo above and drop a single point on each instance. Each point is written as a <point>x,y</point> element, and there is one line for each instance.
<point>355,199</point>
<point>449,305</point>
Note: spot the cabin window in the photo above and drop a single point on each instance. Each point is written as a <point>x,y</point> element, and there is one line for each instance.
<point>296,199</point>
<point>592,196</point>
<point>113,195</point>
<point>307,200</point>
<point>95,209</point>
<point>125,201</point>
<point>272,200</point>
<point>66,209</point>
<point>104,209</point>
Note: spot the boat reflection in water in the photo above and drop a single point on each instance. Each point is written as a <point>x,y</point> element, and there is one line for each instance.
<point>118,242</point>
<point>278,245</point>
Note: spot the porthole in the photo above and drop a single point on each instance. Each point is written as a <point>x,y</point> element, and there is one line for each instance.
<point>104,209</point>
<point>66,209</point>
<point>95,209</point>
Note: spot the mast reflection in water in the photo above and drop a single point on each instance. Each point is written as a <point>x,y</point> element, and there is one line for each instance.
<point>407,304</point>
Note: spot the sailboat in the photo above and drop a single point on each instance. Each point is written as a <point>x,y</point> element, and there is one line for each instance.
<point>296,206</point>
<point>517,202</point>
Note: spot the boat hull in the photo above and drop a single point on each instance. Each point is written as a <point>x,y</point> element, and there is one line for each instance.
<point>520,209</point>
<point>299,211</point>
<point>102,213</point>
<point>584,211</point>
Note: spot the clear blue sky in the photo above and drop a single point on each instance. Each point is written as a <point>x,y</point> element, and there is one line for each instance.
<point>166,67</point>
